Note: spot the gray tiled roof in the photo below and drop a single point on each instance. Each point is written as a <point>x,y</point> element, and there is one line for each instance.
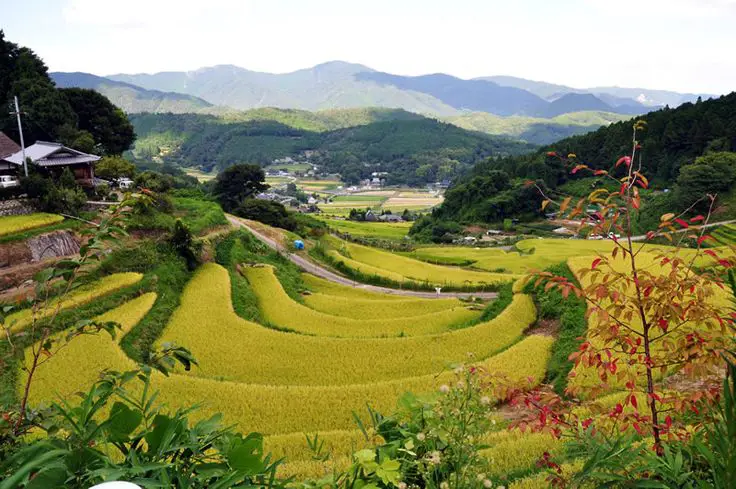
<point>46,154</point>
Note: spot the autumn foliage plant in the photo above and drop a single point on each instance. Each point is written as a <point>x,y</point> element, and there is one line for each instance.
<point>659,319</point>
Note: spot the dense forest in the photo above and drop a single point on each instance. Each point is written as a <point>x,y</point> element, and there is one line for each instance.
<point>687,149</point>
<point>412,150</point>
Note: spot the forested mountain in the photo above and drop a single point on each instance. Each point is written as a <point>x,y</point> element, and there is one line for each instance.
<point>338,84</point>
<point>673,141</point>
<point>412,151</point>
<point>131,98</point>
<point>536,130</point>
<point>614,96</point>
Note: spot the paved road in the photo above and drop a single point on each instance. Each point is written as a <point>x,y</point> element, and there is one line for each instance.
<point>709,225</point>
<point>326,274</point>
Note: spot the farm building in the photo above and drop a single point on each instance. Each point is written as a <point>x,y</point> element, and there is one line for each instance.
<point>53,158</point>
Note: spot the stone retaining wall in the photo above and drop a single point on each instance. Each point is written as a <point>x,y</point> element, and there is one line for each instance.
<point>16,207</point>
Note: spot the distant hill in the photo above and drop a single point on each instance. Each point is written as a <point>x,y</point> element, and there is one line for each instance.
<point>338,84</point>
<point>536,130</point>
<point>412,149</point>
<point>613,96</point>
<point>131,98</point>
<point>671,141</point>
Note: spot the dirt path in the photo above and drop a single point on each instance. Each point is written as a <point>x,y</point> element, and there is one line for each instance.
<point>326,274</point>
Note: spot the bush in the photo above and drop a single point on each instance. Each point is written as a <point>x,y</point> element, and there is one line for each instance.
<point>267,212</point>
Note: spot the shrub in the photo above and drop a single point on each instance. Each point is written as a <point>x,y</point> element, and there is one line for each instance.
<point>267,212</point>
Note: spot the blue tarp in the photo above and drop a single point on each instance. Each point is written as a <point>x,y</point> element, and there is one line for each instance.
<point>299,244</point>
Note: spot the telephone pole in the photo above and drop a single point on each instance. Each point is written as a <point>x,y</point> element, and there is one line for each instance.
<point>20,130</point>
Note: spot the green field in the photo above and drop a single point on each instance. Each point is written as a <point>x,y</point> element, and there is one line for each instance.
<point>397,230</point>
<point>290,167</point>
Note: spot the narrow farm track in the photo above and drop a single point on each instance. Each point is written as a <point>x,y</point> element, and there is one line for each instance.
<point>326,274</point>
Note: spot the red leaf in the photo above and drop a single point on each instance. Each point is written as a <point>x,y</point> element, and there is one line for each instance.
<point>595,263</point>
<point>725,263</point>
<point>626,160</point>
<point>703,238</point>
<point>682,223</point>
<point>600,172</point>
<point>551,153</point>
<point>663,324</point>
<point>711,253</point>
<point>697,218</point>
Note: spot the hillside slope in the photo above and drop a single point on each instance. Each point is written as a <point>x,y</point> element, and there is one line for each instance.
<point>412,150</point>
<point>338,84</point>
<point>672,140</point>
<point>131,98</point>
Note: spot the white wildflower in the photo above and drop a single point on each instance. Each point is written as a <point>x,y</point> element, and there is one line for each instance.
<point>487,484</point>
<point>421,436</point>
<point>444,388</point>
<point>444,485</point>
<point>402,485</point>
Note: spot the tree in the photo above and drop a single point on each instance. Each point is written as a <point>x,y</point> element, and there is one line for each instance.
<point>23,74</point>
<point>237,183</point>
<point>267,212</point>
<point>651,312</point>
<point>108,125</point>
<point>114,167</point>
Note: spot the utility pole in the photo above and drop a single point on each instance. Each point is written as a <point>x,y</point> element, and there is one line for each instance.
<point>20,130</point>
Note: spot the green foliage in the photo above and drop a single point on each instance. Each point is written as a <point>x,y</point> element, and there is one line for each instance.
<point>114,167</point>
<point>59,197</point>
<point>238,183</point>
<point>569,312</point>
<point>429,230</point>
<point>117,432</point>
<point>434,441</point>
<point>267,212</point>
<point>536,130</point>
<point>414,150</point>
<point>183,244</point>
<point>96,115</point>
<point>83,119</point>
<point>711,173</point>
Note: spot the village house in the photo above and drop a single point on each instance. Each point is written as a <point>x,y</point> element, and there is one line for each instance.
<point>7,148</point>
<point>53,158</point>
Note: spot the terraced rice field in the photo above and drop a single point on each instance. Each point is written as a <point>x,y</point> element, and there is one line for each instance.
<point>386,230</point>
<point>83,295</point>
<point>285,384</point>
<point>725,235</point>
<point>317,358</point>
<point>17,224</point>
<point>373,261</point>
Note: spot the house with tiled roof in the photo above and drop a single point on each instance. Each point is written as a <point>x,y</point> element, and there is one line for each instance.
<point>7,148</point>
<point>53,158</point>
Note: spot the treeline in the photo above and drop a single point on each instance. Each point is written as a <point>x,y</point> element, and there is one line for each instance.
<point>672,138</point>
<point>80,118</point>
<point>412,152</point>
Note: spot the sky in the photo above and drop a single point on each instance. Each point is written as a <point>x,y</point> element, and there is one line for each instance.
<point>682,45</point>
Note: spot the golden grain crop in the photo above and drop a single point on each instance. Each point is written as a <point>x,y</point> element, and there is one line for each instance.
<point>77,297</point>
<point>75,367</point>
<point>16,224</point>
<point>358,291</point>
<point>417,270</point>
<point>231,348</point>
<point>378,309</point>
<point>281,310</point>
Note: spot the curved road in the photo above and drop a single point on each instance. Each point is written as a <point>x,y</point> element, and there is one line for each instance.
<point>326,274</point>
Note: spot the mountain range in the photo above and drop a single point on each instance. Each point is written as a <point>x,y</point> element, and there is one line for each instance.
<point>339,84</point>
